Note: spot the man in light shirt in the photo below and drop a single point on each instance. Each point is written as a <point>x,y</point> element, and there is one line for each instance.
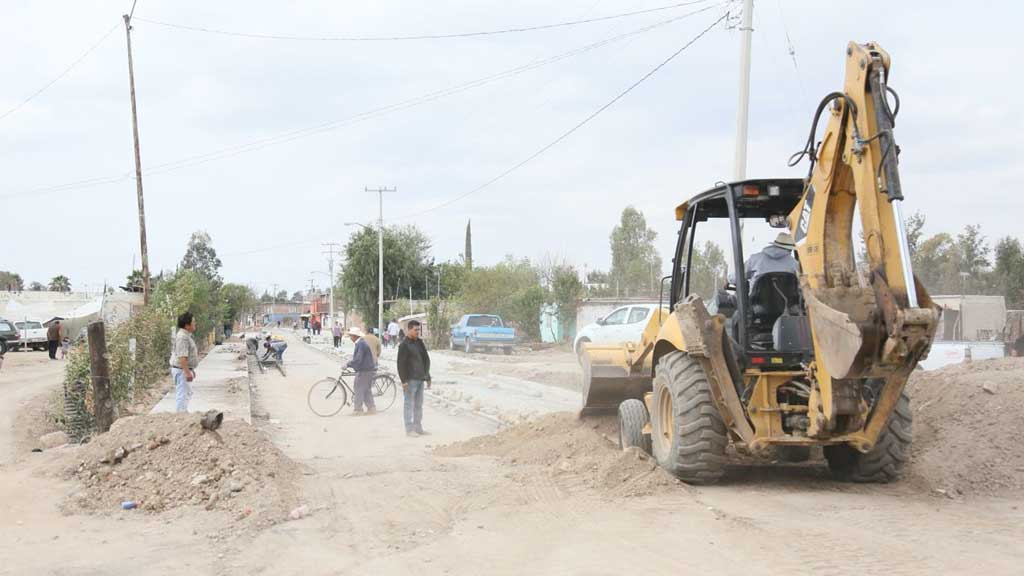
<point>184,358</point>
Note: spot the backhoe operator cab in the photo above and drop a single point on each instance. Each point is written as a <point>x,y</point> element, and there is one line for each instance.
<point>766,322</point>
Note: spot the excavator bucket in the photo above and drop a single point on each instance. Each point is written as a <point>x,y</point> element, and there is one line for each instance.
<point>841,337</point>
<point>613,373</point>
<point>609,378</point>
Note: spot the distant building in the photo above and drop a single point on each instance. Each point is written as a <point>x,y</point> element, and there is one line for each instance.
<point>971,318</point>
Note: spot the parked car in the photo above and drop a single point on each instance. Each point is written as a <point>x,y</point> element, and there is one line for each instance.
<point>8,336</point>
<point>624,324</point>
<point>32,333</point>
<point>482,331</point>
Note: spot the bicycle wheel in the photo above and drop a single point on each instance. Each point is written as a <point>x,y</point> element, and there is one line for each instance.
<point>384,391</point>
<point>327,397</point>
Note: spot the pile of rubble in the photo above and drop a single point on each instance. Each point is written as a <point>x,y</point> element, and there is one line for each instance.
<point>967,428</point>
<point>159,462</point>
<point>576,453</point>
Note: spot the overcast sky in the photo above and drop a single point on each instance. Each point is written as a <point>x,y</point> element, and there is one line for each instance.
<point>269,207</point>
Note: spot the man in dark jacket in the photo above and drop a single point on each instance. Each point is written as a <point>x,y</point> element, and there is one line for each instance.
<point>53,334</point>
<point>365,365</point>
<point>414,372</point>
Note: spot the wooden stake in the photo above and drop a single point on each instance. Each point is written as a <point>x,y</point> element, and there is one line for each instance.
<point>102,401</point>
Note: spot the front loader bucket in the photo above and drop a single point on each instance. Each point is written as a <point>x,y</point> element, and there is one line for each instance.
<point>608,379</point>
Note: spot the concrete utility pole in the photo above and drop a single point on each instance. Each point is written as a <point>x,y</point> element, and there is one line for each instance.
<point>380,253</point>
<point>138,162</point>
<point>743,107</point>
<point>331,249</point>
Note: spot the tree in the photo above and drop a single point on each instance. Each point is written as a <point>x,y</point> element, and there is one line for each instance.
<point>915,228</point>
<point>451,276</point>
<point>201,257</point>
<point>635,261</point>
<point>1009,271</point>
<point>282,296</point>
<point>937,264</point>
<point>566,291</point>
<point>298,296</point>
<point>267,297</point>
<point>36,287</point>
<point>11,282</point>
<point>468,256</point>
<point>708,269</point>
<point>510,289</point>
<point>134,281</point>
<point>60,284</point>
<point>191,291</point>
<point>239,299</point>
<point>406,263</point>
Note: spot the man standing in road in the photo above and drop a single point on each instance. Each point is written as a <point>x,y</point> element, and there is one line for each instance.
<point>184,358</point>
<point>53,339</point>
<point>414,372</point>
<point>373,341</point>
<point>365,366</point>
<point>393,329</point>
<point>336,332</point>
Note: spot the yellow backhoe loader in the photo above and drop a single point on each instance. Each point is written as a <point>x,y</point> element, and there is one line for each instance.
<point>786,360</point>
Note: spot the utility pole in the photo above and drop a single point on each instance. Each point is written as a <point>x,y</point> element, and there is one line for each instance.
<point>331,249</point>
<point>380,253</point>
<point>743,108</point>
<point>273,304</point>
<point>138,162</point>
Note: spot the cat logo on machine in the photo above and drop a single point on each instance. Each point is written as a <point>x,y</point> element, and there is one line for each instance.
<point>805,215</point>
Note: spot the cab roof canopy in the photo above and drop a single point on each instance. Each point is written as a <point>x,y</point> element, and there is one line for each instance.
<point>754,198</point>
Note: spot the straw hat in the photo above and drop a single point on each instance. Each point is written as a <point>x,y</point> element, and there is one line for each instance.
<point>785,241</point>
<point>355,331</point>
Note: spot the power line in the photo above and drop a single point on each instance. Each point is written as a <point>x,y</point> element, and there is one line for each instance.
<point>296,134</point>
<point>570,131</point>
<point>67,69</point>
<point>417,36</point>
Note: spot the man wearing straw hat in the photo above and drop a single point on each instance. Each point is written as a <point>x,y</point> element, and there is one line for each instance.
<point>776,257</point>
<point>365,365</point>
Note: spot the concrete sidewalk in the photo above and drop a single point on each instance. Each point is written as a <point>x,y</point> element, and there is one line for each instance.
<point>222,383</point>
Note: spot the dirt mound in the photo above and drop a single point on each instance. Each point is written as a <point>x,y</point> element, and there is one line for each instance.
<point>163,461</point>
<point>582,453</point>
<point>968,427</point>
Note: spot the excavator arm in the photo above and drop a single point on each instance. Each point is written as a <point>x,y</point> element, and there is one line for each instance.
<point>871,322</point>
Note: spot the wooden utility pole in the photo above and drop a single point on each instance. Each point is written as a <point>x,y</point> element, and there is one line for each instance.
<point>138,164</point>
<point>99,369</point>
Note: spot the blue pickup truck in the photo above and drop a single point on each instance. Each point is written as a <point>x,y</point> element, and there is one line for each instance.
<point>482,331</point>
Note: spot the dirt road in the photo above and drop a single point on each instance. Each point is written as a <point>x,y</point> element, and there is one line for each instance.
<point>25,376</point>
<point>523,502</point>
<point>385,505</point>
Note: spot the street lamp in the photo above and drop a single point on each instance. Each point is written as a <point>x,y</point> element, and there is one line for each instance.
<point>380,272</point>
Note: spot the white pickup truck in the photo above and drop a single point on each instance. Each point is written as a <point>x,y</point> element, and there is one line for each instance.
<point>33,335</point>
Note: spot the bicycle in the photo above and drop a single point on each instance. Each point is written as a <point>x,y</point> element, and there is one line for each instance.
<point>328,396</point>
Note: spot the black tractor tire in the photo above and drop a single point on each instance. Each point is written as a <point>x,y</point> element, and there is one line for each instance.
<point>793,453</point>
<point>885,462</point>
<point>3,346</point>
<point>688,436</point>
<point>632,419</point>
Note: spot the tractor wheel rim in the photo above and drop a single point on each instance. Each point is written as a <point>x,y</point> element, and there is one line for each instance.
<point>665,417</point>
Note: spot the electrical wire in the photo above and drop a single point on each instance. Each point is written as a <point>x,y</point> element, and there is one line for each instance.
<point>57,78</point>
<point>570,131</point>
<point>418,36</point>
<point>253,145</point>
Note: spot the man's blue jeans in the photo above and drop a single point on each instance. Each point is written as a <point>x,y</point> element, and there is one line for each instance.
<point>414,406</point>
<point>182,390</point>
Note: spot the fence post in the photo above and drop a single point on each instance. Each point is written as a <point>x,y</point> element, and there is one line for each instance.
<point>102,402</point>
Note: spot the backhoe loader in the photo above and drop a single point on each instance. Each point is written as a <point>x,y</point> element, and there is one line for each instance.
<point>789,360</point>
